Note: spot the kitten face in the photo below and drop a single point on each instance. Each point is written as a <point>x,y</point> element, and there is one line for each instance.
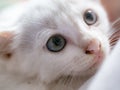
<point>60,38</point>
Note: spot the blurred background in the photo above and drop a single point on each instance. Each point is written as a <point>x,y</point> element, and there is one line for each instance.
<point>112,7</point>
<point>5,3</point>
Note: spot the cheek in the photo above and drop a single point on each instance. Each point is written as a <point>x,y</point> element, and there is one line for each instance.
<point>80,63</point>
<point>73,60</point>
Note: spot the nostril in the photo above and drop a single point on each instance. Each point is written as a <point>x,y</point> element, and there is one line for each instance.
<point>93,47</point>
<point>89,52</point>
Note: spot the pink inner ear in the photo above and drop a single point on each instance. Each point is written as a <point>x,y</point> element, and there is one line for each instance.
<point>6,35</point>
<point>5,40</point>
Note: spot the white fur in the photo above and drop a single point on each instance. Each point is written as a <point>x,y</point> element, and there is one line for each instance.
<point>32,66</point>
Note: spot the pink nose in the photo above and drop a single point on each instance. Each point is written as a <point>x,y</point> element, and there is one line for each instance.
<point>93,47</point>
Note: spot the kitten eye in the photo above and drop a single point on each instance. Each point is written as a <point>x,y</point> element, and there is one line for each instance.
<point>56,43</point>
<point>90,17</point>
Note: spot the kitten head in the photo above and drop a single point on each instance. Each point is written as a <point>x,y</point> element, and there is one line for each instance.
<point>60,38</point>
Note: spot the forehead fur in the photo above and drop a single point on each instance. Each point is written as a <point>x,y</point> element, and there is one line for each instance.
<point>52,9</point>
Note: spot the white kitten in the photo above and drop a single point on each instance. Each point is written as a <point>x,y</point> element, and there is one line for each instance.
<point>52,44</point>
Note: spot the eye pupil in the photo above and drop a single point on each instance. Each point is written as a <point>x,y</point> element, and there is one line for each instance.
<point>90,17</point>
<point>56,43</point>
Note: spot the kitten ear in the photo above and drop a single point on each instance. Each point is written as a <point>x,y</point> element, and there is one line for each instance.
<point>6,38</point>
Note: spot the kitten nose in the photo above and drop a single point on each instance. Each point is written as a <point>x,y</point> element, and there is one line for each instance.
<point>93,47</point>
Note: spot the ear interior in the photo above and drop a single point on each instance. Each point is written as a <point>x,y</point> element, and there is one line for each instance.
<point>6,38</point>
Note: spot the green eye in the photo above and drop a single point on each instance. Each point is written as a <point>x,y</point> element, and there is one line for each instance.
<point>56,43</point>
<point>90,17</point>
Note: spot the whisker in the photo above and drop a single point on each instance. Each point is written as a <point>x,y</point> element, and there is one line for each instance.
<point>117,28</point>
<point>116,22</point>
<point>66,80</point>
<point>114,34</point>
<point>114,42</point>
<point>71,80</point>
<point>115,25</point>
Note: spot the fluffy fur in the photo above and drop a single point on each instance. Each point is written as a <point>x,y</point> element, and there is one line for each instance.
<point>26,63</point>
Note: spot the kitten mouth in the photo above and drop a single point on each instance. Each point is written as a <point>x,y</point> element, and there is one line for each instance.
<point>99,57</point>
